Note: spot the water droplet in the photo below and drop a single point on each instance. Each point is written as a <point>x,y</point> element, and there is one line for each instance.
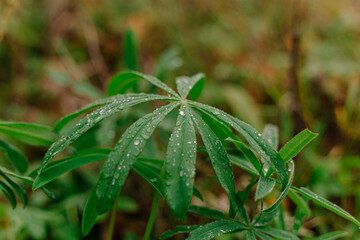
<point>259,134</point>
<point>136,142</point>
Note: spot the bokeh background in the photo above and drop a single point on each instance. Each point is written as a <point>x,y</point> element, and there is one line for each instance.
<point>294,64</point>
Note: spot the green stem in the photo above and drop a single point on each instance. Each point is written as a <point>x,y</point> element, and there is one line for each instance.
<point>154,207</point>
<point>112,219</point>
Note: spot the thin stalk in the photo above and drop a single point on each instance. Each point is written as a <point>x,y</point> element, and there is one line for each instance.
<point>154,208</point>
<point>112,219</point>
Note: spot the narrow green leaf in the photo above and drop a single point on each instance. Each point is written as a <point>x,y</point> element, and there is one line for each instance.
<point>121,82</point>
<point>90,214</point>
<point>254,138</point>
<point>214,229</point>
<point>197,194</point>
<point>219,159</point>
<point>63,166</point>
<point>263,236</point>
<point>242,162</point>
<point>296,144</point>
<point>178,229</point>
<point>206,212</point>
<point>300,202</point>
<point>271,134</point>
<point>90,120</point>
<point>268,214</point>
<point>250,156</point>
<point>264,187</point>
<point>193,84</point>
<point>130,50</point>
<point>168,61</point>
<point>29,133</point>
<point>277,233</point>
<point>151,176</point>
<point>98,103</point>
<point>9,193</point>
<point>298,220</point>
<point>326,204</point>
<point>250,235</point>
<point>180,163</point>
<point>15,156</point>
<point>19,191</point>
<point>122,158</point>
<point>25,179</point>
<point>332,235</point>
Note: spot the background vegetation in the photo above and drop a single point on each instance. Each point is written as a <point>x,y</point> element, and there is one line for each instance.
<point>290,63</point>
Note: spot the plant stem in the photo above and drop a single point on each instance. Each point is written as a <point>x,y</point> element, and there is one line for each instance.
<point>151,220</point>
<point>112,219</point>
<point>154,207</point>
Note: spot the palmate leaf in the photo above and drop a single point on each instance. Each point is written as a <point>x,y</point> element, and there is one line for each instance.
<point>29,133</point>
<point>180,163</point>
<point>90,120</point>
<point>178,229</point>
<point>15,156</point>
<point>123,156</point>
<point>219,159</point>
<point>254,138</point>
<point>214,229</point>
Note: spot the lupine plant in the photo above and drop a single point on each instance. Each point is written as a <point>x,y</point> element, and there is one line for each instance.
<point>227,141</point>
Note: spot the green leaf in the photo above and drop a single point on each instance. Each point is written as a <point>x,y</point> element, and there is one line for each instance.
<point>271,134</point>
<point>130,50</point>
<point>250,235</point>
<point>326,204</point>
<point>219,159</point>
<point>298,220</point>
<point>192,85</point>
<point>206,212</point>
<point>122,81</point>
<point>300,202</point>
<point>19,191</point>
<point>25,179</point>
<point>180,163</point>
<point>9,193</point>
<point>90,214</point>
<point>296,144</point>
<point>178,229</point>
<point>197,194</point>
<point>264,187</point>
<point>65,165</point>
<point>15,156</point>
<point>263,236</point>
<point>29,133</point>
<point>101,102</point>
<point>242,162</point>
<point>168,61</point>
<point>90,120</point>
<point>123,156</point>
<point>250,156</point>
<point>254,138</point>
<point>277,233</point>
<point>214,229</point>
<point>268,214</point>
<point>151,176</point>
<point>332,235</point>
